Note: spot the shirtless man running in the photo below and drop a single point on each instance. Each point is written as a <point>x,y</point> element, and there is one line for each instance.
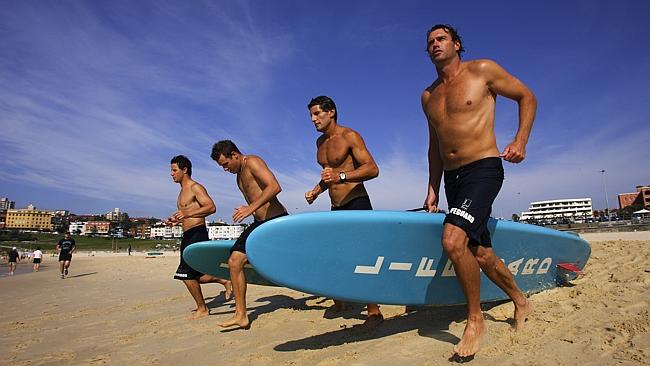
<point>460,107</point>
<point>346,163</point>
<point>193,204</point>
<point>260,189</point>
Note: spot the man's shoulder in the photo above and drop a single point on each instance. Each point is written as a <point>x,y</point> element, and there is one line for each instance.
<point>348,132</point>
<point>254,162</point>
<point>194,185</point>
<point>480,66</point>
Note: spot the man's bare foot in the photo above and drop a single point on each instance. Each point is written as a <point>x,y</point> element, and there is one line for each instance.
<point>197,314</point>
<point>228,286</point>
<point>469,344</point>
<point>521,313</point>
<point>340,306</point>
<point>373,320</point>
<point>240,322</point>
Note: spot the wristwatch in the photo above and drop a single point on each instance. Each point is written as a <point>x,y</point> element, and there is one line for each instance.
<point>342,177</point>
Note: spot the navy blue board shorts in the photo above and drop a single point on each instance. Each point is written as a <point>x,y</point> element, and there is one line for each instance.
<point>240,243</point>
<point>191,236</point>
<point>470,191</point>
<point>359,203</point>
<point>65,255</point>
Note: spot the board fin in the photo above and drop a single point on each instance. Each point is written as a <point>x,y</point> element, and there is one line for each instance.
<point>567,272</point>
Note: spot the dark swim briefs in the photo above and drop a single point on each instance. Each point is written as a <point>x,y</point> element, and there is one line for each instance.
<point>193,235</point>
<point>240,243</point>
<point>359,203</point>
<point>471,190</point>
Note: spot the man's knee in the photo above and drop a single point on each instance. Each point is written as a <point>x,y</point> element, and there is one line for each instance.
<point>237,260</point>
<point>454,241</point>
<point>485,256</point>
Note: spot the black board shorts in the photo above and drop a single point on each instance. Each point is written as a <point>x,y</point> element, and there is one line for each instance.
<point>470,191</point>
<point>191,236</point>
<point>359,203</point>
<point>240,243</point>
<point>65,256</point>
<point>37,260</point>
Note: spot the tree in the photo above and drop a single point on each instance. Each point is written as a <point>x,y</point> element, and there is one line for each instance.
<point>626,213</point>
<point>515,217</point>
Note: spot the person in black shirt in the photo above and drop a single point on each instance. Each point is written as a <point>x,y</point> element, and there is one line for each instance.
<point>66,247</point>
<point>14,257</point>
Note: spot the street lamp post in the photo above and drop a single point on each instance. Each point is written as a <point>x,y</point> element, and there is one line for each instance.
<point>609,216</point>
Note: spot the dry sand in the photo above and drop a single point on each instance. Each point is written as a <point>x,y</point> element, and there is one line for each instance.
<point>123,310</point>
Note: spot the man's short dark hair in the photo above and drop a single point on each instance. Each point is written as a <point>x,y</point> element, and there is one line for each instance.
<point>326,104</point>
<point>455,37</point>
<point>183,162</point>
<point>225,148</point>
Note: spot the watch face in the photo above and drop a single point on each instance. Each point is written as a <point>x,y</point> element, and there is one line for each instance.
<point>342,176</point>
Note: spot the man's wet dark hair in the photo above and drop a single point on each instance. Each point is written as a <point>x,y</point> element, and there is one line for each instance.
<point>455,37</point>
<point>326,104</point>
<point>183,162</point>
<point>225,148</point>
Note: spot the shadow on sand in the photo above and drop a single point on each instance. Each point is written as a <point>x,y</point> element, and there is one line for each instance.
<point>430,322</point>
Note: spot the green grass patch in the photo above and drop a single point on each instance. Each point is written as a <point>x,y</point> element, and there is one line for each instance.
<point>48,242</point>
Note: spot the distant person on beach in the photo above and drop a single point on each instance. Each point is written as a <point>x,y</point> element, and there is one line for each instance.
<point>37,257</point>
<point>129,249</point>
<point>346,163</point>
<point>194,205</point>
<point>14,258</point>
<point>65,247</point>
<point>260,189</point>
<point>460,107</point>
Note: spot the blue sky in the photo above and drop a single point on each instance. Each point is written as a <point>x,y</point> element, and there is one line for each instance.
<point>97,96</point>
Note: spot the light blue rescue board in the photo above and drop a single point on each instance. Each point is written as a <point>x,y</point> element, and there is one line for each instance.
<point>389,257</point>
<point>211,257</point>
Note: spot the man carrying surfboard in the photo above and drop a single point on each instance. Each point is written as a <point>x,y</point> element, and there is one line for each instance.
<point>460,107</point>
<point>260,189</point>
<point>346,163</point>
<point>193,205</point>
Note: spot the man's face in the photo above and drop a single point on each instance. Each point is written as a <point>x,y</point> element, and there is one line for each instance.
<point>66,236</point>
<point>231,164</point>
<point>177,173</point>
<point>440,46</point>
<point>321,118</point>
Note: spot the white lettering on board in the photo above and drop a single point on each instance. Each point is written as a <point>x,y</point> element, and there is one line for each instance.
<point>544,266</point>
<point>398,266</point>
<point>529,267</point>
<point>370,269</point>
<point>424,269</point>
<point>449,271</point>
<point>514,266</point>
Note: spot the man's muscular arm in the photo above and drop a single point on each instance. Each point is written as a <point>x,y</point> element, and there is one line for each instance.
<point>261,172</point>
<point>500,82</point>
<point>311,196</point>
<point>435,164</point>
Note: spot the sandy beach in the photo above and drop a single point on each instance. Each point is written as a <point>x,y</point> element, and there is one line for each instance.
<point>119,310</point>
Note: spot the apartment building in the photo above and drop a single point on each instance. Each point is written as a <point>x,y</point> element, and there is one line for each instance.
<point>571,208</point>
<point>641,198</point>
<point>220,231</point>
<point>29,218</point>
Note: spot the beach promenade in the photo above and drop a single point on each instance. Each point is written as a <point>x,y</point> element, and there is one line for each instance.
<point>119,310</point>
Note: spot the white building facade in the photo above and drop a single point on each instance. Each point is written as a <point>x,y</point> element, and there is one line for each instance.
<point>77,228</point>
<point>162,231</point>
<point>574,209</point>
<point>224,232</point>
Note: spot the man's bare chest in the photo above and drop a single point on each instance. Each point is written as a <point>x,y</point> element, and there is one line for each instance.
<point>333,152</point>
<point>458,98</point>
